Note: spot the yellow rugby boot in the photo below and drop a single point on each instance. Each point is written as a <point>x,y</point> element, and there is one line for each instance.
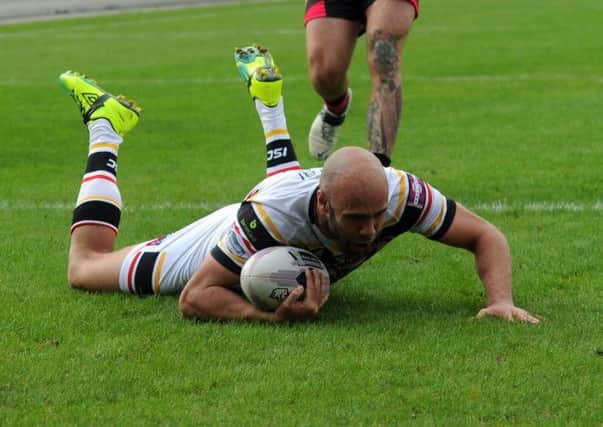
<point>259,72</point>
<point>96,103</point>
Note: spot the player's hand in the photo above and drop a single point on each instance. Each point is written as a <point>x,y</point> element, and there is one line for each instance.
<point>305,303</point>
<point>508,312</point>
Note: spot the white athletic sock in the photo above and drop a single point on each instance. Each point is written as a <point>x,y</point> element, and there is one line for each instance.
<point>273,120</point>
<point>99,200</point>
<point>280,154</point>
<point>103,137</point>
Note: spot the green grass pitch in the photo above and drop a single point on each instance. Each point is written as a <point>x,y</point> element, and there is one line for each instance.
<point>502,111</point>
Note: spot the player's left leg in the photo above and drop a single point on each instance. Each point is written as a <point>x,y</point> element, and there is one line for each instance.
<point>387,29</point>
<point>264,82</point>
<point>93,265</point>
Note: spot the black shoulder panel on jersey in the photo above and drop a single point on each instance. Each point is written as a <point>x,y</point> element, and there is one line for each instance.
<point>224,261</point>
<point>409,217</point>
<point>253,228</point>
<point>450,213</point>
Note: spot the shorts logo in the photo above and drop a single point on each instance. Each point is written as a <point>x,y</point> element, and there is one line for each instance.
<point>253,224</point>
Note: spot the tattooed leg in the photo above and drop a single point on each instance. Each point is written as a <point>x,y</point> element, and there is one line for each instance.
<point>385,107</point>
<point>387,29</point>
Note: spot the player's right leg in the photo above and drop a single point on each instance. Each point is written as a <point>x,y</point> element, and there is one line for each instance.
<point>330,43</point>
<point>93,265</point>
<point>264,82</point>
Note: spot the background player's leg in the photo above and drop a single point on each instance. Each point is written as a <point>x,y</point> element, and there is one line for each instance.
<point>388,25</point>
<point>329,44</point>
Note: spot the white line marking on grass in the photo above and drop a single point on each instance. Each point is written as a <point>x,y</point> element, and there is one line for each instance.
<point>496,206</point>
<point>22,205</point>
<point>75,34</point>
<point>93,10</point>
<point>499,206</point>
<point>509,77</point>
<point>207,81</point>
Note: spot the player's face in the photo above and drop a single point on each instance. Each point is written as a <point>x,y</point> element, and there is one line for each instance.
<point>356,226</point>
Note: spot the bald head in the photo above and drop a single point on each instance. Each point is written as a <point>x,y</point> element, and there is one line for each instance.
<point>353,174</point>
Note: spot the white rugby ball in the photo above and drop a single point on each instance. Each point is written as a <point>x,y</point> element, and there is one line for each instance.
<point>271,274</point>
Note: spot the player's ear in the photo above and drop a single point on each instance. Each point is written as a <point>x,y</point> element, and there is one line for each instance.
<point>322,202</point>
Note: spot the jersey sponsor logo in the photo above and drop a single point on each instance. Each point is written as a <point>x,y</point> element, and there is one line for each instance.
<point>416,193</point>
<point>234,245</point>
<point>252,227</point>
<point>248,227</point>
<point>157,241</point>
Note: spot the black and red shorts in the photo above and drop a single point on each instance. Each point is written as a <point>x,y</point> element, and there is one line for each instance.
<point>352,10</point>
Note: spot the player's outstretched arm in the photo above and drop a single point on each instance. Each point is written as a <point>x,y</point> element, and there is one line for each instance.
<point>493,263</point>
<point>207,297</point>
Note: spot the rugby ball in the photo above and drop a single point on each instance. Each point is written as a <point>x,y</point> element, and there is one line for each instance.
<point>271,274</point>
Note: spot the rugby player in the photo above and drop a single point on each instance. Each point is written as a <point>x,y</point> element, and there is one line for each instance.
<point>332,27</point>
<point>344,213</point>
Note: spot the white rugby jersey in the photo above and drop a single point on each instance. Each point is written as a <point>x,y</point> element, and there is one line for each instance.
<point>280,211</point>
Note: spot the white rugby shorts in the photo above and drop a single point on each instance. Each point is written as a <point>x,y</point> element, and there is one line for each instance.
<point>164,265</point>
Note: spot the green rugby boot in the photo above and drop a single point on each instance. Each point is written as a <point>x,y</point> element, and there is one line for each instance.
<point>96,103</point>
<point>259,72</point>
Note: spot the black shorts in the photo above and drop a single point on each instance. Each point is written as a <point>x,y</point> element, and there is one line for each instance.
<point>352,10</point>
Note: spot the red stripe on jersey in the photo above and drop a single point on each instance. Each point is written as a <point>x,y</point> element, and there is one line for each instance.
<point>427,205</point>
<point>317,10</point>
<point>245,241</point>
<point>105,177</point>
<point>131,272</point>
<point>290,168</point>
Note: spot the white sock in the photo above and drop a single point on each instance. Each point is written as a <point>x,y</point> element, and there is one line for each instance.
<point>103,137</point>
<point>273,120</point>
